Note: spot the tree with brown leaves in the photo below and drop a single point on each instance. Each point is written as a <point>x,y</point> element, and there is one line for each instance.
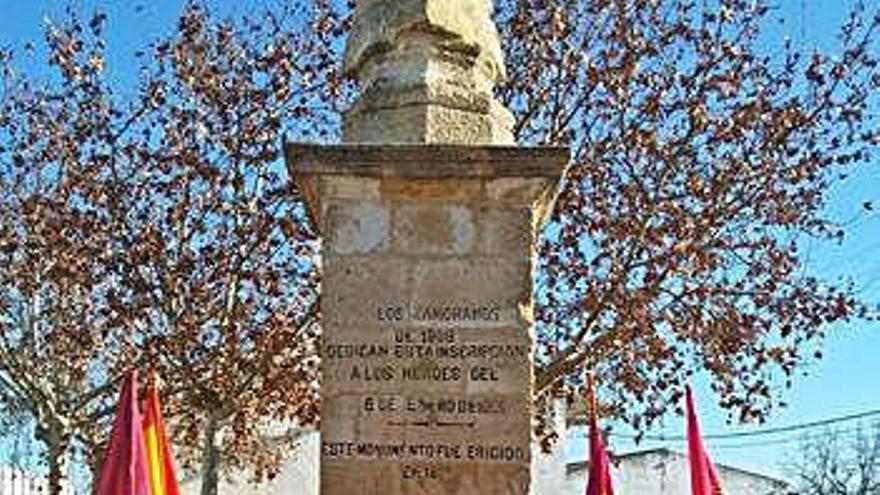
<point>63,344</point>
<point>222,276</point>
<point>162,230</point>
<point>702,157</point>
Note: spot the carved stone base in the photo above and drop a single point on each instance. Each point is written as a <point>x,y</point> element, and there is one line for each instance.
<point>426,313</point>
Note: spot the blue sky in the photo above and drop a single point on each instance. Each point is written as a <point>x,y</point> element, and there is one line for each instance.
<point>841,384</point>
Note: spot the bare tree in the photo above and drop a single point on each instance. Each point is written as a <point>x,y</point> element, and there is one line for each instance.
<point>838,462</point>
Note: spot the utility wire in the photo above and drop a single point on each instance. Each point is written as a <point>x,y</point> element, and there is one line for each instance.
<point>844,434</point>
<point>755,433</point>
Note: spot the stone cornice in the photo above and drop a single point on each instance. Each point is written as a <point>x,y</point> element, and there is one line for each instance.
<point>425,161</point>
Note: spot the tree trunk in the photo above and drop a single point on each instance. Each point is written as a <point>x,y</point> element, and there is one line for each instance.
<point>95,461</point>
<point>211,458</point>
<point>57,446</point>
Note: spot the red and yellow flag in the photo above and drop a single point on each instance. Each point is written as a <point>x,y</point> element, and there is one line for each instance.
<point>124,470</point>
<point>160,462</point>
<point>599,481</point>
<point>704,478</point>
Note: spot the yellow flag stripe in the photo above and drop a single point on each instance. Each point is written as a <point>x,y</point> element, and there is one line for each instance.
<point>154,460</point>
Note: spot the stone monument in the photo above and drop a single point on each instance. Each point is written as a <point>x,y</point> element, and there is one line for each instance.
<point>426,69</point>
<point>428,214</point>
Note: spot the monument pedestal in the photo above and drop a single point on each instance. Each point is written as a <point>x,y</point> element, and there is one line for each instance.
<point>426,304</point>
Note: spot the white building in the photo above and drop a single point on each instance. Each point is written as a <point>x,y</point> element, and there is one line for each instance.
<point>17,482</point>
<point>666,472</point>
<point>299,475</point>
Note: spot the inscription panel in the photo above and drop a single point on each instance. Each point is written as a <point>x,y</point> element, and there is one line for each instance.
<point>426,356</point>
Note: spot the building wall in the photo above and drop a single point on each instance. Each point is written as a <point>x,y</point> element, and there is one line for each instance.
<point>299,475</point>
<point>667,473</point>
<point>17,482</point>
<point>548,468</point>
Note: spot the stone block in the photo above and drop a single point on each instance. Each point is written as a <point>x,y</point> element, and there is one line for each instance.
<point>354,288</point>
<point>379,24</point>
<point>416,190</point>
<point>518,190</point>
<point>426,124</point>
<point>433,228</point>
<point>356,227</point>
<point>335,410</point>
<point>462,477</point>
<point>427,69</point>
<point>426,277</point>
<point>505,230</point>
<point>347,477</point>
<point>474,281</point>
<point>350,187</point>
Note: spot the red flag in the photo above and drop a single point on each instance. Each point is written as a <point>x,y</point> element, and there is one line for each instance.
<point>124,471</point>
<point>163,479</point>
<point>599,481</point>
<point>704,478</point>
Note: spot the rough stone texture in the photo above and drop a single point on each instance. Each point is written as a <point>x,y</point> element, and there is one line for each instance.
<point>504,230</point>
<point>516,190</point>
<point>344,187</point>
<point>473,280</point>
<point>354,286</point>
<point>514,176</point>
<point>434,229</point>
<point>501,167</point>
<point>427,69</point>
<point>357,227</point>
<point>416,400</point>
<point>431,189</point>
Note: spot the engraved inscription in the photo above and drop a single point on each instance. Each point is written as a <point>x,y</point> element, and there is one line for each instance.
<point>412,359</point>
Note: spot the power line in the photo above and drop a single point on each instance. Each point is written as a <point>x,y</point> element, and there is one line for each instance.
<point>751,445</point>
<point>755,433</point>
<point>844,434</point>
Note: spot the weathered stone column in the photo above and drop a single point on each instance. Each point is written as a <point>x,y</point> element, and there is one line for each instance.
<point>427,69</point>
<point>426,301</point>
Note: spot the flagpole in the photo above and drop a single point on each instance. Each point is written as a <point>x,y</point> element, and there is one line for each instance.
<point>599,472</point>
